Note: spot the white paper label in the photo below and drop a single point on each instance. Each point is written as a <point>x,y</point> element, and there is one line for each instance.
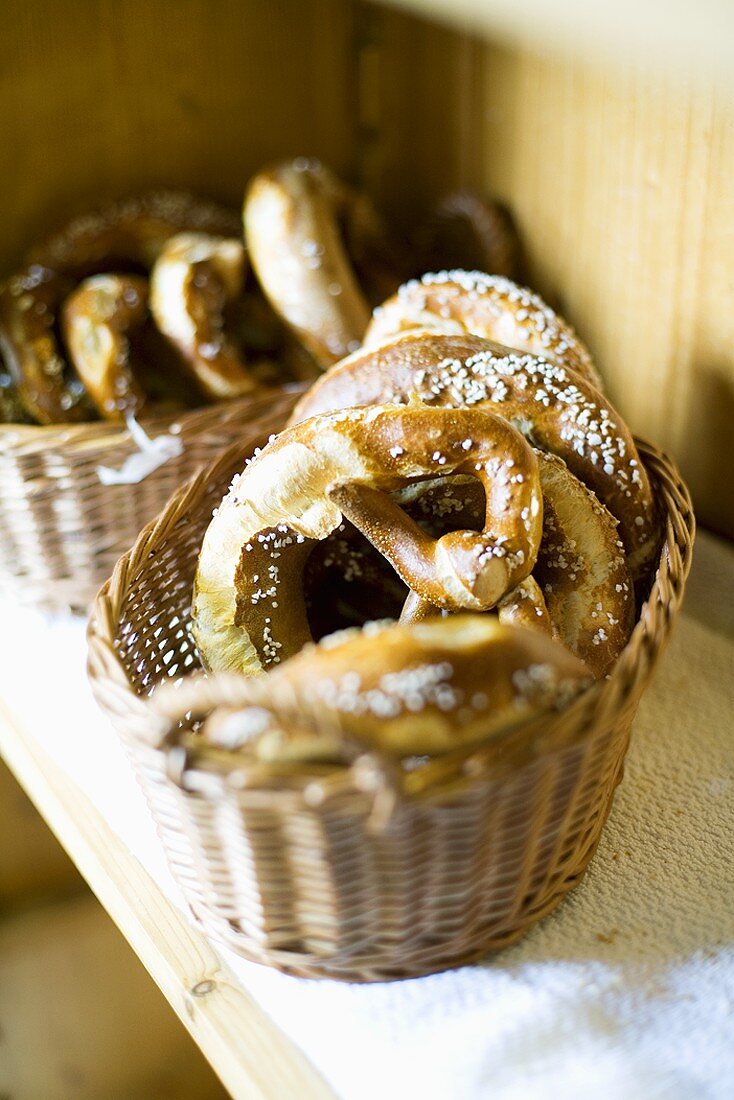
<point>150,455</point>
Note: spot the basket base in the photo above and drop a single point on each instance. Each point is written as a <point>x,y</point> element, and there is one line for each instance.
<point>430,958</point>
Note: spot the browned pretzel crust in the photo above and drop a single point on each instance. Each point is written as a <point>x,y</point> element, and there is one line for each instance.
<point>124,240</point>
<point>558,410</point>
<point>249,606</point>
<point>466,230</point>
<point>48,389</point>
<point>486,305</point>
<point>130,232</point>
<point>423,689</point>
<point>580,589</point>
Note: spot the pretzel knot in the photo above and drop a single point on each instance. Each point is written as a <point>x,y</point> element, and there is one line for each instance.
<point>139,294</point>
<point>558,409</point>
<point>249,603</point>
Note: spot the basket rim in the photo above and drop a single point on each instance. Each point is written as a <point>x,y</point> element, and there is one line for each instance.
<point>372,776</point>
<point>27,439</point>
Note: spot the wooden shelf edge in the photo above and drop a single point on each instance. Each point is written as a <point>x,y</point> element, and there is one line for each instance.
<point>252,1057</point>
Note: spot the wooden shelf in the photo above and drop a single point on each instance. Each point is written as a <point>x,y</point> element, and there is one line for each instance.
<point>253,1058</point>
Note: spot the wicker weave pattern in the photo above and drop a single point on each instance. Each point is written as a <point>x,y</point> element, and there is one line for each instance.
<point>62,530</point>
<point>363,874</point>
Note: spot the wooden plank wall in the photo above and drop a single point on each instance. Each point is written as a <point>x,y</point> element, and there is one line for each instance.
<point>417,98</point>
<point>654,32</point>
<point>111,96</point>
<point>622,183</point>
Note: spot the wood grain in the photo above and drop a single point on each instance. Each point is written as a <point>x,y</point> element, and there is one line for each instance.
<point>620,180</point>
<point>112,96</point>
<point>418,88</point>
<point>621,183</point>
<point>252,1057</point>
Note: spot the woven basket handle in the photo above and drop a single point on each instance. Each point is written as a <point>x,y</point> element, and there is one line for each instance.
<point>180,707</point>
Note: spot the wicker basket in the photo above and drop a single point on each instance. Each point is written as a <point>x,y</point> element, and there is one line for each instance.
<point>362,873</point>
<point>62,529</point>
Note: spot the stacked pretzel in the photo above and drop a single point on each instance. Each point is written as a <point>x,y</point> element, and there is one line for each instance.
<point>148,304</point>
<point>447,538</point>
<point>142,305</point>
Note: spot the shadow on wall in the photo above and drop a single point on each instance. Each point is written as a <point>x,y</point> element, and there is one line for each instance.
<point>709,442</point>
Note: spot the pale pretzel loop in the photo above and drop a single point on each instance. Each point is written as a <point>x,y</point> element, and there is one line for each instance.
<point>486,305</point>
<point>249,604</point>
<point>98,320</point>
<point>558,410</point>
<point>316,245</point>
<point>193,281</point>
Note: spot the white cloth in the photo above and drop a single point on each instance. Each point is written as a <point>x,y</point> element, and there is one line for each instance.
<point>627,991</point>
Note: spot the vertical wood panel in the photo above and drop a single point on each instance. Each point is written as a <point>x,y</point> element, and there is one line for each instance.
<point>109,96</point>
<point>419,90</point>
<point>672,34</point>
<point>622,186</point>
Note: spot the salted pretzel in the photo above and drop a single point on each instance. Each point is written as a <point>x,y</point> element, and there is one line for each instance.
<point>249,608</point>
<point>419,690</point>
<point>320,252</point>
<point>46,385</point>
<point>194,279</point>
<point>123,239</point>
<point>98,322</point>
<point>130,232</point>
<point>580,590</point>
<point>555,408</point>
<point>582,570</point>
<point>486,305</point>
